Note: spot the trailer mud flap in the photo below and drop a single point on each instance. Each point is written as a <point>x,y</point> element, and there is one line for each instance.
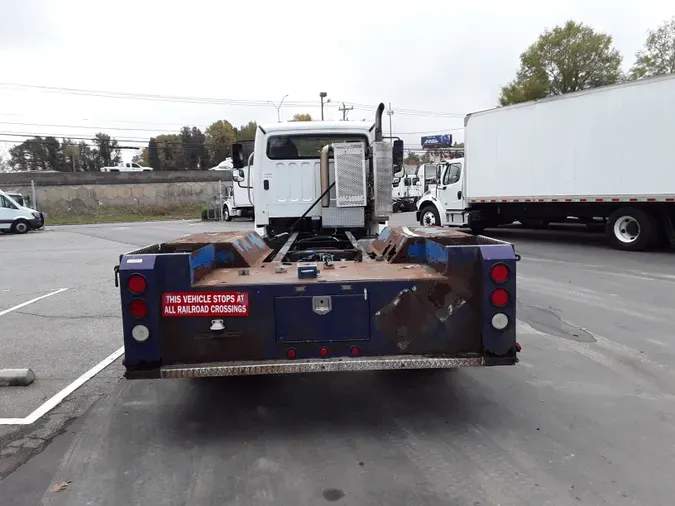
<point>322,318</point>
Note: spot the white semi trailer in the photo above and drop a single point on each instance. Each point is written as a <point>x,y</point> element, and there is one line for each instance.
<point>601,155</point>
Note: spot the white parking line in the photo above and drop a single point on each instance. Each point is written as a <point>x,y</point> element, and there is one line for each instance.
<point>58,398</point>
<point>23,304</point>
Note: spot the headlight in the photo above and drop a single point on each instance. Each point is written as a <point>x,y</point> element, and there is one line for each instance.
<point>35,214</point>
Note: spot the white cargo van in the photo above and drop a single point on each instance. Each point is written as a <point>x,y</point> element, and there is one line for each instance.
<point>17,218</point>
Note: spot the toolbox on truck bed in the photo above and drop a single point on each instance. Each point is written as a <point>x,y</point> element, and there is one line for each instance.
<point>229,304</point>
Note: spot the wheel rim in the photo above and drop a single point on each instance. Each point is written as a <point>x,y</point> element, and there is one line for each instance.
<point>627,229</point>
<point>428,219</point>
<point>21,228</point>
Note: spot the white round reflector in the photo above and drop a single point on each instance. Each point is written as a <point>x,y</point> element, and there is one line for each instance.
<point>500,321</point>
<point>141,333</point>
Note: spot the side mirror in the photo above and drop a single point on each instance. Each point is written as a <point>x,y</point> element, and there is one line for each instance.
<point>397,153</point>
<point>238,156</point>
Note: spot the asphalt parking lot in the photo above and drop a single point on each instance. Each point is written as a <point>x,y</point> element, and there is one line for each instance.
<point>585,418</point>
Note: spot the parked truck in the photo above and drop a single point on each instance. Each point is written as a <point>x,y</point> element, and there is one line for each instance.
<point>239,196</point>
<point>604,155</point>
<point>406,189</point>
<point>322,283</point>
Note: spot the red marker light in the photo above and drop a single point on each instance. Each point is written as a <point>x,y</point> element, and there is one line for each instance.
<point>291,353</point>
<point>355,350</point>
<point>138,308</point>
<point>323,351</point>
<point>136,284</point>
<point>499,273</point>
<point>499,297</point>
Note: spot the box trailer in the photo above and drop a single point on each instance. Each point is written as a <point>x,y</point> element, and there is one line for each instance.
<point>602,155</point>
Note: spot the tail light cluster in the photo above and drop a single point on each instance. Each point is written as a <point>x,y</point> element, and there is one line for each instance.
<point>138,307</point>
<point>500,297</point>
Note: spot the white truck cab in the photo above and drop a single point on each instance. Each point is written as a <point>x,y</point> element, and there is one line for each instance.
<point>288,186</point>
<point>238,198</point>
<point>444,203</point>
<point>406,189</point>
<point>127,167</point>
<point>17,218</point>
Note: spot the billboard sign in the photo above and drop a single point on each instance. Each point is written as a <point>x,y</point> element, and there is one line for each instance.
<point>437,141</point>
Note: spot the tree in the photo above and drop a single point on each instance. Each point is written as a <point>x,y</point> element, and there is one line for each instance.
<point>170,152</point>
<point>153,154</point>
<point>106,151</point>
<point>4,165</point>
<point>301,117</point>
<point>657,57</point>
<point>247,132</point>
<point>412,159</point>
<point>426,158</point>
<point>568,58</point>
<point>220,136</point>
<point>137,158</point>
<point>194,148</point>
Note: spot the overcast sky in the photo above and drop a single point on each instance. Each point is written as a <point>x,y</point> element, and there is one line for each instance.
<point>443,56</point>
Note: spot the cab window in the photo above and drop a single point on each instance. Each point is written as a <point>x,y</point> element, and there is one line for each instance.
<point>6,203</point>
<point>452,173</point>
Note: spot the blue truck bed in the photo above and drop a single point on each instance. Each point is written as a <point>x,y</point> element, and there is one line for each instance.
<point>229,304</point>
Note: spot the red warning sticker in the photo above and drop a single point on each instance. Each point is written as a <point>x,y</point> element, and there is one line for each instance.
<point>186,304</point>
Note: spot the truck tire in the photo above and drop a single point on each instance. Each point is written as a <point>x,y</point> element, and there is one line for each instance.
<point>429,217</point>
<point>20,227</point>
<point>630,229</point>
<point>226,214</point>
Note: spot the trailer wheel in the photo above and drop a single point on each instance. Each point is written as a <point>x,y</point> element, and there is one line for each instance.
<point>429,217</point>
<point>20,227</point>
<point>630,229</point>
<point>226,214</point>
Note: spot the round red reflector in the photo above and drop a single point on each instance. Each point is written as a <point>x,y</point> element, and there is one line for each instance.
<point>323,351</point>
<point>499,297</point>
<point>355,350</point>
<point>136,284</point>
<point>290,353</point>
<point>499,273</point>
<point>138,308</point>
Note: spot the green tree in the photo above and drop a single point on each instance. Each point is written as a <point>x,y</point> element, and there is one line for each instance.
<point>220,136</point>
<point>426,158</point>
<point>153,154</point>
<point>170,152</point>
<point>247,132</point>
<point>301,117</point>
<point>657,57</point>
<point>412,159</point>
<point>106,151</point>
<point>568,58</point>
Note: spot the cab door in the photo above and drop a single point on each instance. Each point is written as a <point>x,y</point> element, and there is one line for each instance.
<point>450,191</point>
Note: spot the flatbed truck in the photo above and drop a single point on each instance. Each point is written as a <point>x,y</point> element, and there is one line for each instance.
<point>322,282</point>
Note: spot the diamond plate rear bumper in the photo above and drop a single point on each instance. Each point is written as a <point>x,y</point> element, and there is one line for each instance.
<point>316,365</point>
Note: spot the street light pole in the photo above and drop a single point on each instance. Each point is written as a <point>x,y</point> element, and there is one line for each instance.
<point>390,113</point>
<point>279,108</point>
<point>322,95</point>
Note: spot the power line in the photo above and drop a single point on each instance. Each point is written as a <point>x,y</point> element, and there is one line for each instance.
<point>205,100</point>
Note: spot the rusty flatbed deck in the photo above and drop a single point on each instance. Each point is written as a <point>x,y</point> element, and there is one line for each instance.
<point>342,272</point>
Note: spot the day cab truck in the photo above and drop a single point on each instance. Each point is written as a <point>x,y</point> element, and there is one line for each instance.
<point>238,201</point>
<point>406,189</point>
<point>604,156</point>
<point>321,283</point>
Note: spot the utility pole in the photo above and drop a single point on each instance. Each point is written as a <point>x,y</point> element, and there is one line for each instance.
<point>323,95</point>
<point>344,110</point>
<point>390,113</point>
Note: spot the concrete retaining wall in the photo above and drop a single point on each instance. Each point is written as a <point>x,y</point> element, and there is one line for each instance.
<point>68,192</point>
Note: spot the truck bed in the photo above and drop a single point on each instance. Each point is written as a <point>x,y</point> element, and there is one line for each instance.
<point>215,304</point>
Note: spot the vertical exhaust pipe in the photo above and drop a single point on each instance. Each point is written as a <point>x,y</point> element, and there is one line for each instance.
<point>378,122</point>
<point>325,174</point>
